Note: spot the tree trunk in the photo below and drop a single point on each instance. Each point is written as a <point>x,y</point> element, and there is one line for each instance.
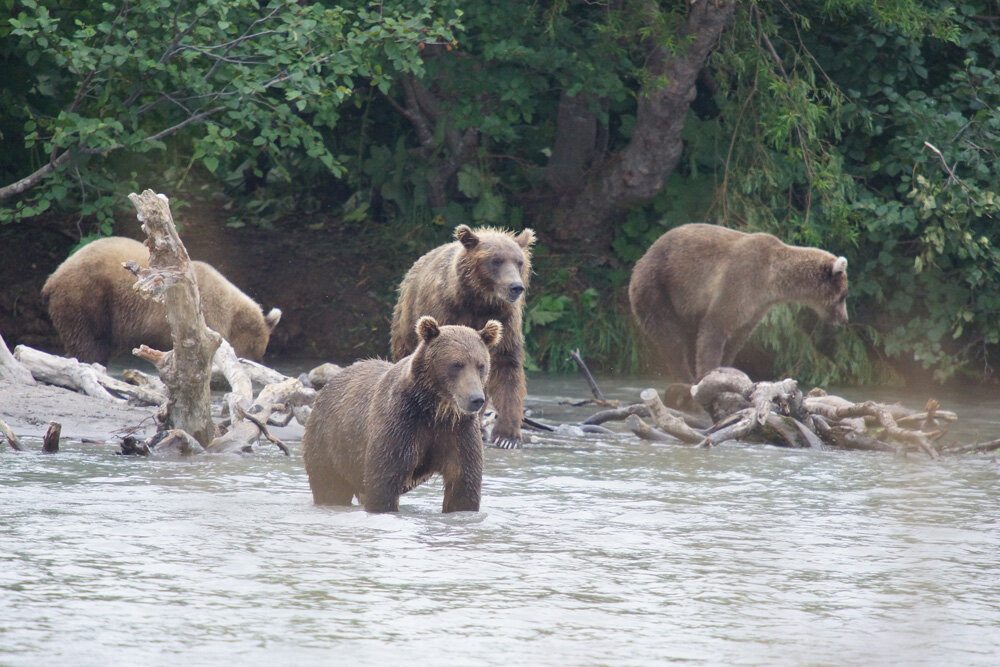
<point>187,369</point>
<point>639,171</point>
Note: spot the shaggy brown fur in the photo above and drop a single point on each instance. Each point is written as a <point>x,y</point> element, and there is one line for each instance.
<point>480,276</point>
<point>378,430</point>
<point>98,314</point>
<point>700,290</point>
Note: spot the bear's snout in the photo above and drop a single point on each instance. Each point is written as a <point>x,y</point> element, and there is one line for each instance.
<point>476,401</point>
<point>514,291</point>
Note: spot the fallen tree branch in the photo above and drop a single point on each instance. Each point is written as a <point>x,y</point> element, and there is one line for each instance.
<point>667,421</point>
<point>591,382</point>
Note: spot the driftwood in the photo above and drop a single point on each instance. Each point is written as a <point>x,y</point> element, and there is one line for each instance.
<point>777,413</point>
<point>15,443</point>
<point>245,431</point>
<point>91,379</point>
<point>666,420</point>
<point>170,279</point>
<point>50,443</point>
<point>11,369</point>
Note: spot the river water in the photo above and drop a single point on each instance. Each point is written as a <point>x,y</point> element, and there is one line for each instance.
<point>588,550</point>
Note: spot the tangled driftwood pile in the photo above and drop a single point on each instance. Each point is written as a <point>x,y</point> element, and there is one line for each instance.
<point>729,406</point>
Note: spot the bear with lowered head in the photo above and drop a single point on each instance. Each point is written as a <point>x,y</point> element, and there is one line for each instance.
<point>379,429</point>
<point>700,290</point>
<point>480,276</point>
<point>98,314</point>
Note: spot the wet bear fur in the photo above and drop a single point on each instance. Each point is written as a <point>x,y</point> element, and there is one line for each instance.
<point>480,276</point>
<point>98,314</point>
<point>700,290</point>
<point>379,429</point>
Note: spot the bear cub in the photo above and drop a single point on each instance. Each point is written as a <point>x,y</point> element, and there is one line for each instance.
<point>379,429</point>
<point>480,276</point>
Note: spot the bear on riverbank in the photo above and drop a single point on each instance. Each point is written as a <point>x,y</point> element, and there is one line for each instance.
<point>480,276</point>
<point>379,429</point>
<point>700,290</point>
<point>98,314</point>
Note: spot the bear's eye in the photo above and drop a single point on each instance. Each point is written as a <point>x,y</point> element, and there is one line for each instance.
<point>481,368</point>
<point>520,263</point>
<point>497,261</point>
<point>457,366</point>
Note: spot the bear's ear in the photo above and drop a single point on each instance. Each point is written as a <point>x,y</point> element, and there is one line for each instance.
<point>491,333</point>
<point>428,329</point>
<point>272,318</point>
<point>466,237</point>
<point>526,238</point>
<point>839,267</point>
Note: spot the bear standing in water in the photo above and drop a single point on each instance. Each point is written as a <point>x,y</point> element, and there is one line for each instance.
<point>98,314</point>
<point>378,430</point>
<point>480,276</point>
<point>700,290</point>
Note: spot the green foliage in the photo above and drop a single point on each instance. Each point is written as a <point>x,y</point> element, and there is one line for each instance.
<point>225,88</point>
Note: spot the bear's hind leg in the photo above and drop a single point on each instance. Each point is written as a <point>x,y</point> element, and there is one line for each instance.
<point>673,342</point>
<point>330,489</point>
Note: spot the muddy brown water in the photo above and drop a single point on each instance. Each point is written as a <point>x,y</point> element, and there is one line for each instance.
<point>588,550</point>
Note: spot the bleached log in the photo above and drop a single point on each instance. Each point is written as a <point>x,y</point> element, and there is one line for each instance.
<point>170,279</point>
<point>90,379</point>
<point>259,374</point>
<point>239,380</point>
<point>11,369</point>
<point>719,380</point>
<point>738,426</point>
<point>888,424</point>
<point>666,420</point>
<point>65,372</point>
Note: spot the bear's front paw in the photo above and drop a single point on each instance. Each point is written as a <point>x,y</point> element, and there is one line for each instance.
<point>507,443</point>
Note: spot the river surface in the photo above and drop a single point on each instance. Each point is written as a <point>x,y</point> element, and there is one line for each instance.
<point>587,550</point>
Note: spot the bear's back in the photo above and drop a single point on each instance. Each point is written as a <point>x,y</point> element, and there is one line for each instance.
<point>339,427</point>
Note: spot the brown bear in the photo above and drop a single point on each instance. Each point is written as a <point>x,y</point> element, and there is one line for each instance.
<point>700,290</point>
<point>98,314</point>
<point>480,276</point>
<point>379,429</point>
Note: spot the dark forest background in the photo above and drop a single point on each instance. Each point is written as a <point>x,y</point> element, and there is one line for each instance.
<point>313,150</point>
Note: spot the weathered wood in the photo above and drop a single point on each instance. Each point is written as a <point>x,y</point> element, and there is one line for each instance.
<point>736,427</point>
<point>11,369</point>
<point>888,424</point>
<point>974,448</point>
<point>667,421</point>
<point>617,414</point>
<point>15,443</point>
<point>259,374</point>
<point>588,378</point>
<point>645,431</point>
<point>783,397</point>
<point>322,374</point>
<point>90,379</point>
<point>170,279</point>
<point>721,380</point>
<point>235,373</point>
<point>65,372</point>
<point>244,432</point>
<point>50,443</point>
